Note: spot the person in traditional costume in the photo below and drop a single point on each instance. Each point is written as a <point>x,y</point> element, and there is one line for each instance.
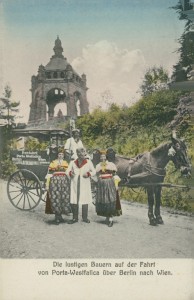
<point>80,172</point>
<point>72,144</point>
<point>107,196</point>
<point>58,186</point>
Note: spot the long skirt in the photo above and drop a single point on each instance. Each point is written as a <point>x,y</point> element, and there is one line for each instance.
<point>58,198</point>
<point>107,198</point>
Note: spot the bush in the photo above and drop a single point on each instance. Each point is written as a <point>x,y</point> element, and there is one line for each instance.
<point>7,167</point>
<point>137,129</point>
<point>176,198</point>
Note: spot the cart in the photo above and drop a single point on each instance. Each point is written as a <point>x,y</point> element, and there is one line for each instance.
<point>25,187</point>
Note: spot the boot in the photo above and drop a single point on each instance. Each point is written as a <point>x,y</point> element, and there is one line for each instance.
<point>74,208</point>
<point>57,219</point>
<point>85,213</point>
<point>61,219</point>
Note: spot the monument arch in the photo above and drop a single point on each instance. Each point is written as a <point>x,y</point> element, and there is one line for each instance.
<point>57,82</point>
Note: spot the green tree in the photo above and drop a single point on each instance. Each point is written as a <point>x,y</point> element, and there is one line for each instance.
<point>186,50</point>
<point>8,107</point>
<point>156,78</point>
<point>8,110</point>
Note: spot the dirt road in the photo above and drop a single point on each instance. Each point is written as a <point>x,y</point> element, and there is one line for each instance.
<point>33,235</point>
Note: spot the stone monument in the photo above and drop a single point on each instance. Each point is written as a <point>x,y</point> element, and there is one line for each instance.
<point>55,83</point>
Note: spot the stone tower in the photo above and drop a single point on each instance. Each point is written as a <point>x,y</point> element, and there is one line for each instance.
<point>55,83</point>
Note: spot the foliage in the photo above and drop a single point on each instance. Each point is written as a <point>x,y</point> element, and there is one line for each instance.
<point>186,49</point>
<point>116,126</point>
<point>156,109</point>
<point>175,197</point>
<point>7,167</point>
<point>5,136</point>
<point>8,108</point>
<point>131,131</point>
<point>32,144</point>
<point>134,130</point>
<point>156,78</point>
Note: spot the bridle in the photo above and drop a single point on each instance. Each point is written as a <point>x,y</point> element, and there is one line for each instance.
<point>177,156</point>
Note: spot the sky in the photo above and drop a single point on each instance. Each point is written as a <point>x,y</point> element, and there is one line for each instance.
<point>113,42</point>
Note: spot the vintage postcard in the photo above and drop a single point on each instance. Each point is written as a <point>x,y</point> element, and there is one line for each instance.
<point>96,149</point>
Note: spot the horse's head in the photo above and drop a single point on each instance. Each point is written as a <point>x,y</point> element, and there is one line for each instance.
<point>178,155</point>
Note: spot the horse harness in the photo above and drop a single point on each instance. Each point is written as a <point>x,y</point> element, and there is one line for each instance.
<point>161,172</point>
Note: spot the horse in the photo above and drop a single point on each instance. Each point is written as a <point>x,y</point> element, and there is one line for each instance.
<point>149,168</point>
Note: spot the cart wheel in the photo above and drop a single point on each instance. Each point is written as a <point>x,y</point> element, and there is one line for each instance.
<point>24,189</point>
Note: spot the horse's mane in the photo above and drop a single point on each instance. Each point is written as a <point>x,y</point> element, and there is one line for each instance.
<point>160,148</point>
<point>155,151</point>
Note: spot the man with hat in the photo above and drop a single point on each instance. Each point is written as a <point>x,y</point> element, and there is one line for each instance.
<point>72,144</point>
<point>80,171</point>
